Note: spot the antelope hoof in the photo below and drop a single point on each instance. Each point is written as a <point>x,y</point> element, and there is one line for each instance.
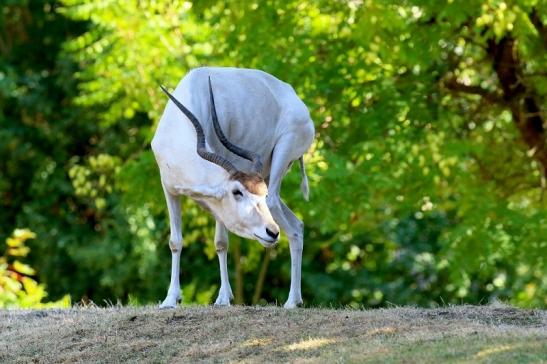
<point>223,298</point>
<point>169,302</point>
<point>290,304</point>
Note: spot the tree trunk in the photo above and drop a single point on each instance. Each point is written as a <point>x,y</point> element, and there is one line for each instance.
<point>261,276</point>
<point>521,100</point>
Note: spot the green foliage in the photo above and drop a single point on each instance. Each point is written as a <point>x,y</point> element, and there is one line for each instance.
<point>17,288</point>
<point>94,180</point>
<point>424,185</point>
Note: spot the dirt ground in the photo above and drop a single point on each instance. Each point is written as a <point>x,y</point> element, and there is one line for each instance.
<point>457,334</point>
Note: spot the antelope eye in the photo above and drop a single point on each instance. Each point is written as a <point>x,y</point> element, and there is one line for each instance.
<point>237,193</point>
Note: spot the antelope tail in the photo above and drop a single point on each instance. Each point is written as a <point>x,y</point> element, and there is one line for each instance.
<point>304,184</point>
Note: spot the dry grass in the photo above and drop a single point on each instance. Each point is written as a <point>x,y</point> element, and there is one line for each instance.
<point>270,334</point>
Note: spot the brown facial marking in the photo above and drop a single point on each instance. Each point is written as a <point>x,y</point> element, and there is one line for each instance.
<point>253,182</point>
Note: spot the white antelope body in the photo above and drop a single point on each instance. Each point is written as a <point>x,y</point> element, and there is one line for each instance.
<point>226,139</point>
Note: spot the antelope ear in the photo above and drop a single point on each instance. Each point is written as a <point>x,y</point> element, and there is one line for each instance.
<point>202,191</point>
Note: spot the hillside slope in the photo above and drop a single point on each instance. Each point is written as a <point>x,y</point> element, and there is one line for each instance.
<point>271,334</point>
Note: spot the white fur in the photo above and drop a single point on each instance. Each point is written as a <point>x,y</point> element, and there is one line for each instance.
<point>257,112</point>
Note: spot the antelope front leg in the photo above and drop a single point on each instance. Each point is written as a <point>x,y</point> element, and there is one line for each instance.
<point>296,243</point>
<point>293,227</point>
<point>175,244</point>
<point>221,243</point>
<point>295,293</point>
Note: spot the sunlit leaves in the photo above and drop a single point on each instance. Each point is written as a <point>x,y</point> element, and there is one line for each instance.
<point>17,288</point>
<point>94,180</point>
<point>139,46</point>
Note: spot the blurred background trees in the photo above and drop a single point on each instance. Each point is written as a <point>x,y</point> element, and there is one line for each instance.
<point>427,175</point>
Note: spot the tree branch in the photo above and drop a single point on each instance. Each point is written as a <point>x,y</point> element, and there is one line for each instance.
<point>453,85</point>
<point>538,24</point>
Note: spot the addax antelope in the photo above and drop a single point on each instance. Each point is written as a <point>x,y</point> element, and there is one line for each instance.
<point>226,139</point>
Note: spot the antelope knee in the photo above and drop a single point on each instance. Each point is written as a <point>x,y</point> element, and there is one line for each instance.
<point>175,245</point>
<point>221,245</point>
<point>296,245</point>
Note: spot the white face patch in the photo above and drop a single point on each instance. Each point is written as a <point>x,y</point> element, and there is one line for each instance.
<point>244,213</point>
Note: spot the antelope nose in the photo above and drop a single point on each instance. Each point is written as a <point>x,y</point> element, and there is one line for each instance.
<point>272,234</point>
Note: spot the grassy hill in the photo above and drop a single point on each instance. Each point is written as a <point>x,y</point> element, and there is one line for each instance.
<point>471,334</point>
